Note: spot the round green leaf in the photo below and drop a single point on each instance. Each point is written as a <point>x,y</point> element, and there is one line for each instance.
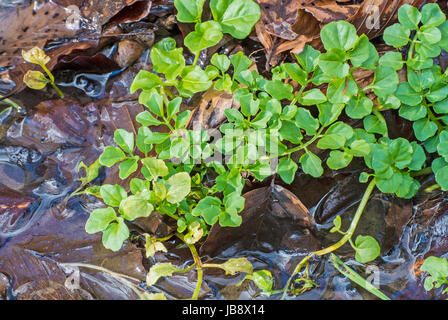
<point>115,235</point>
<point>179,187</point>
<point>396,35</point>
<point>236,17</point>
<point>99,219</point>
<point>338,35</point>
<point>367,249</point>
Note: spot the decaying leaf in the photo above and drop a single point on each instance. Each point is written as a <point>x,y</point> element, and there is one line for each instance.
<point>272,218</point>
<point>35,80</point>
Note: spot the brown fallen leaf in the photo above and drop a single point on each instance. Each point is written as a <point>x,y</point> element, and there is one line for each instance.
<point>273,219</point>
<point>373,16</point>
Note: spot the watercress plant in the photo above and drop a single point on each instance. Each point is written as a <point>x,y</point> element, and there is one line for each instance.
<point>278,121</point>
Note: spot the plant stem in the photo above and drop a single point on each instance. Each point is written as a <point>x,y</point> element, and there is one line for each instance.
<point>421,172</point>
<point>198,264</point>
<point>381,118</point>
<point>433,118</point>
<point>432,188</point>
<point>12,103</point>
<point>303,146</point>
<point>196,58</point>
<point>340,243</point>
<point>50,75</point>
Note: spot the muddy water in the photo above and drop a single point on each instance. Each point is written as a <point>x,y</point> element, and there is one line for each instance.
<point>40,232</point>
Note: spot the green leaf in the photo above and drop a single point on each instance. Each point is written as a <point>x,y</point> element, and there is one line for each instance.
<point>441,106</point>
<point>361,52</point>
<point>111,155</point>
<point>412,113</point>
<point>113,194</point>
<point>426,51</point>
<point>359,107</point>
<point>401,152</point>
<point>329,112</point>
<point>444,31</point>
<point>339,159</point>
<point>179,187</point>
<point>341,129</point>
<point>212,72</point>
<point>173,107</point>
<point>424,129</point>
<point>305,120</point>
<point>442,147</point>
<point>367,249</point>
<point>220,61</point>
<point>224,83</point>
<point>137,206</point>
<point>359,148</point>
<point>438,269</point>
<point>154,137</point>
<point>296,73</point>
<point>237,17</point>
<point>194,80</point>
<point>385,81</point>
<point>167,59</point>
<point>418,157</point>
<point>235,265</point>
<point>91,172</point>
<point>287,169</point>
<point>182,119</point>
<point>206,34</point>
<point>156,167</point>
<point>125,140</point>
<point>209,208</point>
<point>146,119</point>
<point>430,35</point>
<point>279,90</point>
<point>437,93</point>
<point>308,58</point>
<point>115,235</point>
<point>99,219</point>
<point>240,63</point>
<point>312,97</point>
<point>160,270</point>
<point>390,184</point>
<point>407,95</point>
<point>249,106</point>
<point>341,90</point>
<point>128,167</point>
<point>337,223</point>
<point>263,280</point>
<point>392,60</point>
<point>331,141</point>
<point>338,35</point>
<point>409,16</point>
<point>152,246</point>
<point>290,131</point>
<point>370,63</point>
<point>374,125</point>
<point>396,35</point>
<point>145,80</point>
<point>138,185</point>
<point>311,164</point>
<point>442,178</point>
<point>333,63</point>
<point>189,10</point>
<point>432,15</point>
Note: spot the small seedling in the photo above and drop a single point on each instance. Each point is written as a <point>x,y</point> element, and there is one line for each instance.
<point>35,79</point>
